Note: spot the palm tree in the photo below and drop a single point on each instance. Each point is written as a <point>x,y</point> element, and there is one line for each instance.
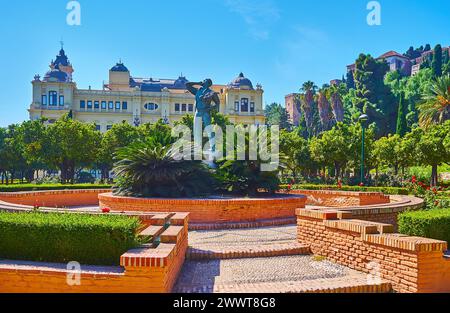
<point>336,103</point>
<point>324,110</point>
<point>153,170</point>
<point>307,103</point>
<point>435,108</point>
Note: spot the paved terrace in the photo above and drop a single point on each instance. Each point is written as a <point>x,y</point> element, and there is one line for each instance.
<point>263,260</point>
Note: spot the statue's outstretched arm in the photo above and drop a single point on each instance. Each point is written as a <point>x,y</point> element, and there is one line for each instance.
<point>190,87</point>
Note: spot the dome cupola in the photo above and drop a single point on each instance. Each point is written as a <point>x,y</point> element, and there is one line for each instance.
<point>57,75</point>
<point>241,82</point>
<point>119,67</point>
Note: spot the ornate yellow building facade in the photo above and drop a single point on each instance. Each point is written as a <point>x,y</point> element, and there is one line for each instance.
<point>135,100</point>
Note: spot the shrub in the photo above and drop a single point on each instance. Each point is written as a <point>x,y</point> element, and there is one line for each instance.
<point>85,178</point>
<point>246,177</point>
<point>34,187</point>
<point>146,169</point>
<point>62,238</point>
<point>433,224</point>
<point>385,190</point>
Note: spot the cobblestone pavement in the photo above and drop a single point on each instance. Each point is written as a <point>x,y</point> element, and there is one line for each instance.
<point>242,237</point>
<point>290,273</point>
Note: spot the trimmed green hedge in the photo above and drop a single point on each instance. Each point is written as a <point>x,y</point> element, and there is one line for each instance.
<point>433,224</point>
<point>43,187</point>
<point>385,190</point>
<point>62,238</point>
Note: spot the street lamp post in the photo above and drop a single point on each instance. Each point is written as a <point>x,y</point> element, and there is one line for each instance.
<point>363,120</point>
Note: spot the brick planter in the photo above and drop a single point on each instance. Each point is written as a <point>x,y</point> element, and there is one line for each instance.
<point>56,198</point>
<point>214,210</point>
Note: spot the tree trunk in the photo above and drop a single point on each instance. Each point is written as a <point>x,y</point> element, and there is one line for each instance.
<point>337,170</point>
<point>434,176</point>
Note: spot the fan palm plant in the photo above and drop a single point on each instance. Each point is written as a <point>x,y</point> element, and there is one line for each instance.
<point>435,108</point>
<point>152,170</point>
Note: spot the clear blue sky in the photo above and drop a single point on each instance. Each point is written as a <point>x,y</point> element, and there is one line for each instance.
<point>278,43</point>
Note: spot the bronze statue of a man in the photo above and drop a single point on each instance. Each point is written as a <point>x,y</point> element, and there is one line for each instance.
<point>205,100</point>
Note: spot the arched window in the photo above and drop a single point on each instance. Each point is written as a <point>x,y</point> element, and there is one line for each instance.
<point>52,98</point>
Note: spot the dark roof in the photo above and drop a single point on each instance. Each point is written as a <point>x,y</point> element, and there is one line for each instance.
<point>56,75</point>
<point>241,82</point>
<point>119,67</point>
<point>61,59</point>
<point>156,85</point>
<point>180,83</point>
<point>392,54</point>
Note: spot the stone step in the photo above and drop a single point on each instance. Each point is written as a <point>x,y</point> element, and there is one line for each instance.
<point>246,251</point>
<point>243,225</point>
<point>328,285</point>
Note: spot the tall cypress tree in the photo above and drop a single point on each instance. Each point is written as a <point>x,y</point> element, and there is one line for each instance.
<point>350,81</point>
<point>436,65</point>
<point>402,125</point>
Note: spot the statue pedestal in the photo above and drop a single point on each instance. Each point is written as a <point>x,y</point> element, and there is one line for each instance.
<point>209,154</point>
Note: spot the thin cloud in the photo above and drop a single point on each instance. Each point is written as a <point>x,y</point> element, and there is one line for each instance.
<point>257,14</point>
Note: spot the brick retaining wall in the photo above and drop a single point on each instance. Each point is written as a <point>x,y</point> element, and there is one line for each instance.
<point>337,198</point>
<point>411,264</point>
<point>211,210</point>
<point>144,270</point>
<point>56,198</point>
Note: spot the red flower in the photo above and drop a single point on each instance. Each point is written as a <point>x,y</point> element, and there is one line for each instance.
<point>289,187</point>
<point>414,179</point>
<point>106,210</point>
<point>361,185</point>
<point>340,184</point>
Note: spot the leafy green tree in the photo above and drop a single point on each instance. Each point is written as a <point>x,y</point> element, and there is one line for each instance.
<point>374,97</point>
<point>16,164</point>
<point>350,81</point>
<point>431,147</point>
<point>70,145</point>
<point>294,151</point>
<point>391,152</point>
<point>120,135</point>
<point>402,126</point>
<point>31,136</point>
<point>332,148</point>
<point>3,158</point>
<point>276,114</point>
<point>436,64</point>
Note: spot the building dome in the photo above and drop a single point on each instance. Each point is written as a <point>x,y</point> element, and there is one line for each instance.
<point>241,82</point>
<point>119,67</point>
<point>180,83</point>
<point>56,75</point>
